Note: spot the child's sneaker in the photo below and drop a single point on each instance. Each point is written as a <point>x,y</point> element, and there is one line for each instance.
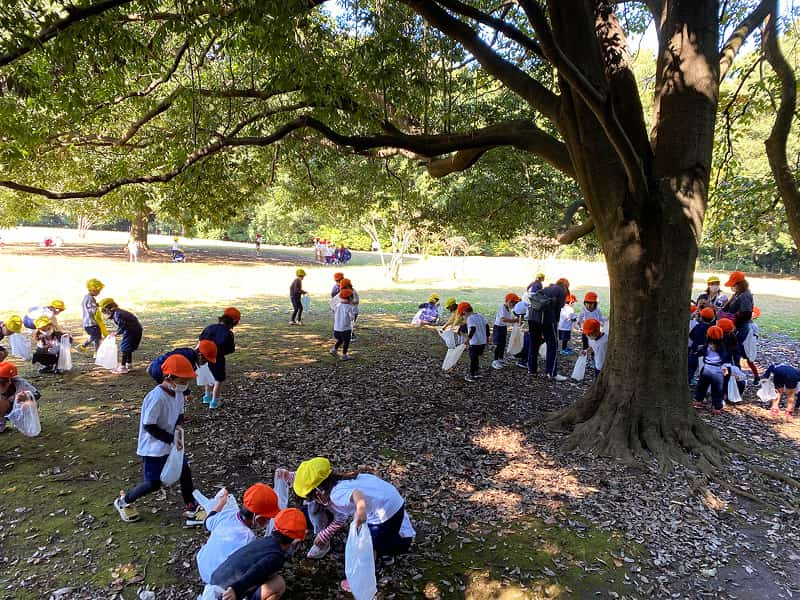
<point>522,364</point>
<point>127,512</point>
<point>334,352</point>
<point>207,398</point>
<point>469,378</point>
<point>215,403</point>
<point>497,364</point>
<point>195,515</point>
<point>345,357</point>
<point>318,552</point>
<point>557,378</point>
<point>698,404</point>
<point>120,370</point>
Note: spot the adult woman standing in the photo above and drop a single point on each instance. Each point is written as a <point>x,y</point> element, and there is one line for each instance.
<point>740,306</point>
<point>713,296</point>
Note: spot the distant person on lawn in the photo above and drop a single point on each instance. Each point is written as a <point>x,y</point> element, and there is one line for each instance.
<point>133,250</point>
<point>259,239</point>
<point>161,418</point>
<point>296,293</point>
<point>221,333</point>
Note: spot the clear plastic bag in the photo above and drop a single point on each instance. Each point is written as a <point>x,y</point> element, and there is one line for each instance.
<point>734,396</point>
<point>204,376</point>
<point>359,564</point>
<point>65,354</point>
<point>25,417</point>
<point>209,503</point>
<point>417,318</point>
<point>579,370</point>
<point>211,592</point>
<point>452,356</point>
<point>20,346</point>
<point>767,391</point>
<point>306,302</point>
<point>449,338</point>
<point>543,351</point>
<point>106,356</point>
<point>750,345</point>
<point>171,472</point>
<point>282,491</point>
<point>516,340</point>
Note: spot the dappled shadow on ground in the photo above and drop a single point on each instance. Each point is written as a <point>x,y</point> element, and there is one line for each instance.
<point>498,505</point>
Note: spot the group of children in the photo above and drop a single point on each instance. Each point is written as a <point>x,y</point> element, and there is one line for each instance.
<point>327,252</point>
<point>548,314</point>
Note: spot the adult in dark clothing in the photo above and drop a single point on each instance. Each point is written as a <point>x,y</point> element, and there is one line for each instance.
<point>740,306</point>
<point>296,292</point>
<point>544,324</point>
<point>221,334</point>
<point>252,571</point>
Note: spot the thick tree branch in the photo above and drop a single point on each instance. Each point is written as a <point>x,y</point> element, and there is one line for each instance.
<point>736,40</point>
<point>779,135</point>
<point>600,103</point>
<point>74,15</point>
<point>566,234</point>
<point>460,161</point>
<point>519,82</point>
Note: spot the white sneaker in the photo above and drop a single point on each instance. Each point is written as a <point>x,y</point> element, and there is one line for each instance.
<point>498,364</point>
<point>334,352</point>
<point>318,552</point>
<point>558,378</point>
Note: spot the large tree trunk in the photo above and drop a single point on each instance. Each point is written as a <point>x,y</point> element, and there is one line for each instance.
<point>649,232</point>
<point>139,224</point>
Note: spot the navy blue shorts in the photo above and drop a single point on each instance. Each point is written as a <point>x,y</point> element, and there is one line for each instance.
<point>499,335</point>
<point>565,335</point>
<point>153,465</point>
<point>386,539</point>
<point>218,368</point>
<point>130,341</point>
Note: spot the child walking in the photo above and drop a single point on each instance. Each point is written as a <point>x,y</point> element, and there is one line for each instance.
<point>221,333</point>
<point>590,310</point>
<point>565,322</point>
<point>476,338</point>
<point>343,317</point>
<point>346,284</point>
<point>161,419</point>
<point>786,378</point>
<point>129,327</point>
<point>296,292</point>
<point>337,278</point>
<point>502,319</point>
<point>92,320</point>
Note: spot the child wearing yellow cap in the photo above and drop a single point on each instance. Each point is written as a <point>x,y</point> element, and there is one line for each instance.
<point>48,345</point>
<point>92,322</point>
<point>296,293</point>
<point>51,311</point>
<point>428,313</point>
<point>10,326</point>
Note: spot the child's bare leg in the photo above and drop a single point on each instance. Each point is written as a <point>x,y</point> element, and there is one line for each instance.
<point>274,588</point>
<point>754,369</point>
<point>790,400</point>
<point>217,390</point>
<point>776,401</point>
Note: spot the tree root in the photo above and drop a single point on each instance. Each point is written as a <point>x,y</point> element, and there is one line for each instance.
<point>743,493</point>
<point>776,475</point>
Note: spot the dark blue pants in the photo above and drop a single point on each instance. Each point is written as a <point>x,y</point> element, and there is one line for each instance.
<point>694,361</point>
<point>343,339</point>
<point>129,344</point>
<point>548,331</point>
<point>95,337</point>
<point>386,538</point>
<point>741,335</point>
<point>499,339</point>
<point>474,357</point>
<point>713,380</point>
<point>565,335</point>
<point>151,466</point>
<point>297,308</point>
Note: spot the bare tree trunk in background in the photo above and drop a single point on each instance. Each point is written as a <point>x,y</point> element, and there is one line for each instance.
<point>139,224</point>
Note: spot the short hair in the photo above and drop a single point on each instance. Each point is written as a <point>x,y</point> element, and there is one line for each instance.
<point>283,540</point>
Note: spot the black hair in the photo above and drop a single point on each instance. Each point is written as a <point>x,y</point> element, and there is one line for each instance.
<point>331,480</point>
<point>246,514</point>
<point>283,540</point>
<point>226,320</point>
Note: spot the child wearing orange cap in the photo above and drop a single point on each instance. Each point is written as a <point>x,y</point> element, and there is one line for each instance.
<point>475,339</point>
<point>13,388</point>
<point>252,572</point>
<point>590,310</point>
<point>598,342</point>
<point>337,277</point>
<point>565,321</point>
<point>161,419</point>
<point>343,318</point>
<point>346,284</point>
<point>697,338</point>
<point>205,352</point>
<point>232,529</point>
<point>787,380</point>
<point>502,319</point>
<point>221,333</point>
<point>740,307</point>
<point>716,366</point>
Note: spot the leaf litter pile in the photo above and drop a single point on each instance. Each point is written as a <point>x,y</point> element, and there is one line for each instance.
<point>477,466</point>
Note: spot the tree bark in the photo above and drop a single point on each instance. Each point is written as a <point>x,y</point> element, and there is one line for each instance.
<point>139,225</point>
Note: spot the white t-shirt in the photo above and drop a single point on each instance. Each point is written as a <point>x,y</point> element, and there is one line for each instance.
<point>521,308</point>
<point>383,499</point>
<point>228,534</point>
<point>599,348</point>
<point>590,314</point>
<point>503,313</point>
<point>566,318</point>
<point>477,321</point>
<point>158,408</point>
<point>343,317</point>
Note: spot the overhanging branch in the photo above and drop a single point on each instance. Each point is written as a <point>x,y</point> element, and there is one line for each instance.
<point>736,40</point>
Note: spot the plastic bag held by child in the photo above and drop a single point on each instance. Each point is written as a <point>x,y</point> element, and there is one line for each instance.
<point>579,371</point>
<point>306,302</point>
<point>282,491</point>
<point>209,503</point>
<point>452,356</point>
<point>359,564</point>
<point>449,338</point>
<point>734,397</point>
<point>767,390</point>
<point>204,376</point>
<point>543,351</point>
<point>516,340</point>
<point>25,417</point>
<point>106,356</point>
<point>20,346</point>
<point>750,345</point>
<point>211,592</point>
<point>174,465</point>
<point>65,354</point>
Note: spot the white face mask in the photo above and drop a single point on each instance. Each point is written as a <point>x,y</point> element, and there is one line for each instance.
<point>180,387</point>
<point>713,289</point>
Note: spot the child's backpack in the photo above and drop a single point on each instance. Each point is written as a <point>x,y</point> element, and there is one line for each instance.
<point>539,302</point>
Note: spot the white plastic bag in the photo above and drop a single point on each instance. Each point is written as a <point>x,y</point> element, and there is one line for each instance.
<point>767,391</point>
<point>106,356</point>
<point>20,346</point>
<point>306,302</point>
<point>700,363</point>
<point>211,592</point>
<point>64,354</point>
<point>209,503</point>
<point>174,465</point>
<point>543,351</point>
<point>516,340</point>
<point>359,564</point>
<point>204,376</point>
<point>416,320</point>
<point>282,491</point>
<point>452,356</point>
<point>448,337</point>
<point>750,345</point>
<point>579,371</point>
<point>25,417</point>
<point>734,397</point>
